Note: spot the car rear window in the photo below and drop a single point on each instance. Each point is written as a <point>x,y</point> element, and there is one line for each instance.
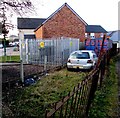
<point>82,55</point>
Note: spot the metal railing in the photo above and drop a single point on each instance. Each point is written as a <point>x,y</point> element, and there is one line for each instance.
<point>77,103</point>
<point>53,52</point>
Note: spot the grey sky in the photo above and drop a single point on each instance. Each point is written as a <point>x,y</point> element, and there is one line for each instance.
<point>94,12</point>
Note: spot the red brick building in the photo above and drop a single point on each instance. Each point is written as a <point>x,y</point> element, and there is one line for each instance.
<point>64,22</point>
<point>95,31</point>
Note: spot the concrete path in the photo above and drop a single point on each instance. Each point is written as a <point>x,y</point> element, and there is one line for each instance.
<point>8,64</point>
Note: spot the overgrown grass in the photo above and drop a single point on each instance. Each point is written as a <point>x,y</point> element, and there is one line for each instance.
<point>105,104</point>
<point>33,100</point>
<point>15,58</point>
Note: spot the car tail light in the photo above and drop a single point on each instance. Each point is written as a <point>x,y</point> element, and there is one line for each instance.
<point>89,61</point>
<point>69,61</point>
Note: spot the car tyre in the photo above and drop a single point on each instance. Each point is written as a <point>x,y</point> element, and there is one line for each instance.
<point>69,69</point>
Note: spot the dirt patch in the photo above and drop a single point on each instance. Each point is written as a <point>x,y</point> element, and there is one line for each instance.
<point>12,72</point>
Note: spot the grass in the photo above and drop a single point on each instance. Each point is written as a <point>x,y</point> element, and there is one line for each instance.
<point>105,104</point>
<point>15,58</point>
<point>33,100</point>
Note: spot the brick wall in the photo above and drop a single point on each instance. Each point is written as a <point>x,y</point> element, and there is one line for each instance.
<point>39,33</point>
<point>64,24</point>
<point>97,35</point>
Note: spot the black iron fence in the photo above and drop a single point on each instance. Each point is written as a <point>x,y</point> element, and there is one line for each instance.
<point>77,103</point>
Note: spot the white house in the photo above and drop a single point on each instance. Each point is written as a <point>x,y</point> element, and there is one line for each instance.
<point>26,27</point>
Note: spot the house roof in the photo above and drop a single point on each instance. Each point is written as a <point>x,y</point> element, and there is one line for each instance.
<point>114,35</point>
<point>95,29</point>
<point>65,4</point>
<point>29,23</point>
<point>110,33</point>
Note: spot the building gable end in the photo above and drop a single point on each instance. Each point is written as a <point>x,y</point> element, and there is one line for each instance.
<point>58,11</point>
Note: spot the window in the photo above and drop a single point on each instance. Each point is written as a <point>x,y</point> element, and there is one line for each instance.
<point>92,35</point>
<point>94,56</point>
<point>83,55</point>
<point>86,35</point>
<point>101,35</point>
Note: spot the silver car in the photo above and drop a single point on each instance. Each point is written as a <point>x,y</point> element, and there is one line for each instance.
<point>1,45</point>
<point>82,59</point>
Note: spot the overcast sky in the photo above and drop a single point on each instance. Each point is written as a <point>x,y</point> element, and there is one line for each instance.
<point>94,12</point>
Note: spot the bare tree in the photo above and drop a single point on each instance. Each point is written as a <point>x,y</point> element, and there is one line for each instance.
<point>10,7</point>
<point>19,7</point>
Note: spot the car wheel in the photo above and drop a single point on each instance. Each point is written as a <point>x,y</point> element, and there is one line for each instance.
<point>69,69</point>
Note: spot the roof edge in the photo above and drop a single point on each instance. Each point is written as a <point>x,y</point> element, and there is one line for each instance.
<point>97,32</point>
<point>65,4</point>
<point>76,14</point>
<point>23,19</point>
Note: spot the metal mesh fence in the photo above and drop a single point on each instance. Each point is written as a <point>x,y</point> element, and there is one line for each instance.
<point>53,52</point>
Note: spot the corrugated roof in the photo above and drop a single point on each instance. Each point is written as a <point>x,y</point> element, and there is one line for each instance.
<point>29,23</point>
<point>95,29</point>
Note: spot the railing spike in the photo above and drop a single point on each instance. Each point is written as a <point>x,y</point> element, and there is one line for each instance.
<point>69,93</point>
<point>46,111</point>
<point>78,85</point>
<point>63,99</point>
<point>55,104</point>
<point>74,89</point>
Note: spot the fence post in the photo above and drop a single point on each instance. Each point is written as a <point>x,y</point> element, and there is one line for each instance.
<point>45,64</point>
<point>21,71</point>
<point>102,68</point>
<point>26,50</point>
<point>92,91</point>
<point>21,61</point>
<point>62,58</point>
